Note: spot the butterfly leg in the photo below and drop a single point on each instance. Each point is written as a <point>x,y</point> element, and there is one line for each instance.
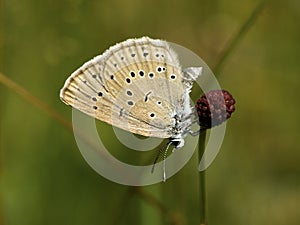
<point>197,132</point>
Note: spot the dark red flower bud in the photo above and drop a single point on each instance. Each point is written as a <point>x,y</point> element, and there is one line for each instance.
<point>214,107</point>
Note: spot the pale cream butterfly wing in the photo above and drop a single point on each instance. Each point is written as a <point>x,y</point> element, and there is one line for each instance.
<point>137,85</point>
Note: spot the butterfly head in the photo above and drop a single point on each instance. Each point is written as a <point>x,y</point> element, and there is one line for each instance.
<point>177,142</point>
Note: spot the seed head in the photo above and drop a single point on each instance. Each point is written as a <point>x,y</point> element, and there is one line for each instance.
<point>214,107</point>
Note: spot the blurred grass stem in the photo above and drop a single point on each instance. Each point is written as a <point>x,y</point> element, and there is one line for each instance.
<point>231,44</point>
<point>34,101</point>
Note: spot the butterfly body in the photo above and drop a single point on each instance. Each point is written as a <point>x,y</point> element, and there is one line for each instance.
<point>137,85</point>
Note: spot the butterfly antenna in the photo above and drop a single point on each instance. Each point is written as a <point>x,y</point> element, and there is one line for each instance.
<point>164,161</point>
<point>164,151</point>
<point>156,158</point>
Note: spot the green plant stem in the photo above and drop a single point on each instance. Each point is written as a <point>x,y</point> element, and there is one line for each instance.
<point>224,54</point>
<point>233,42</point>
<point>202,193</point>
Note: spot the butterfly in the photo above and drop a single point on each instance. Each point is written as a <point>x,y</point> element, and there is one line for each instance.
<point>137,85</point>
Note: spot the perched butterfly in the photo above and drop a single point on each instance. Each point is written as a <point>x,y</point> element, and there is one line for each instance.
<point>137,85</point>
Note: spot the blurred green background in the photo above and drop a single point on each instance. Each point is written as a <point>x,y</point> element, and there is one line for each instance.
<point>255,177</point>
